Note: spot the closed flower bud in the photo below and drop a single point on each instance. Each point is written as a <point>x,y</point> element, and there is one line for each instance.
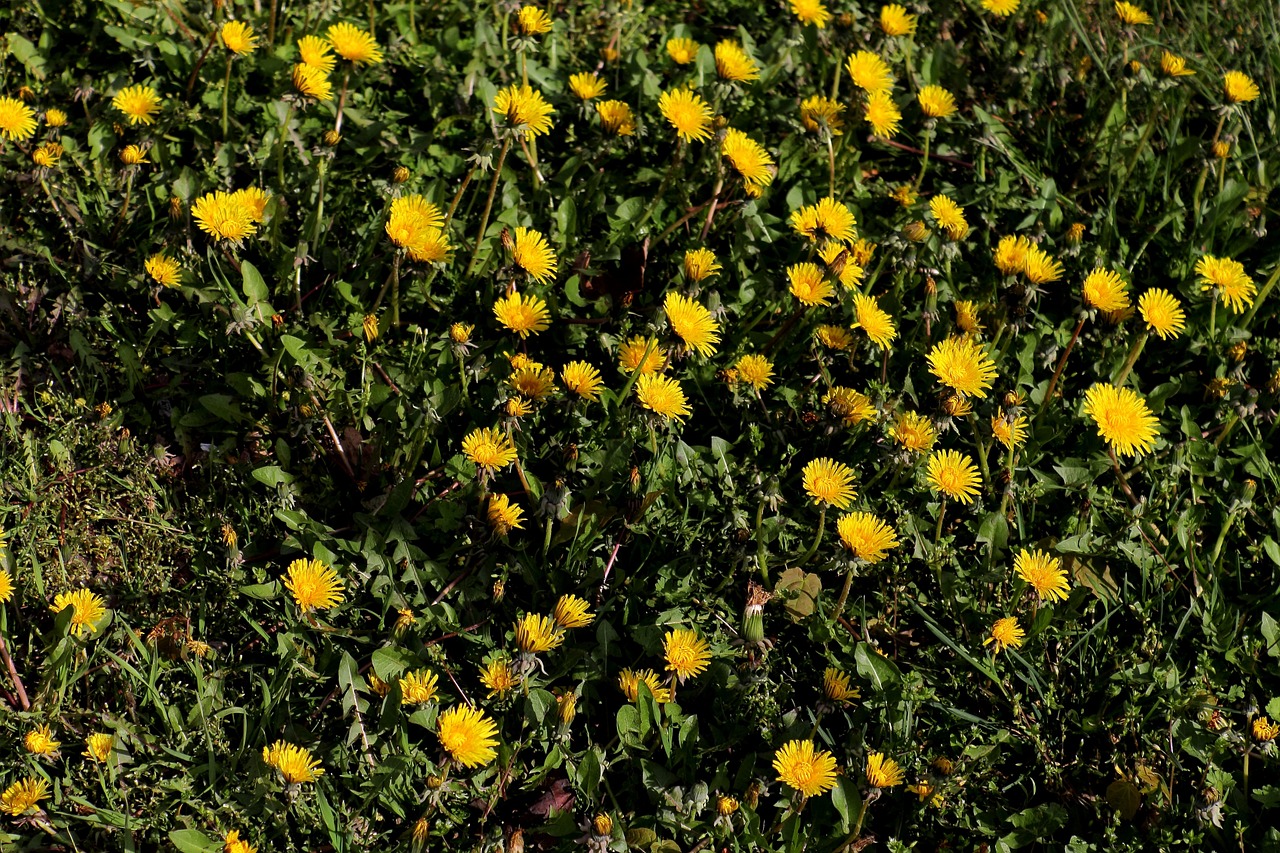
<point>400,175</point>
<point>916,232</point>
<point>1221,149</point>
<point>332,138</point>
<point>603,824</point>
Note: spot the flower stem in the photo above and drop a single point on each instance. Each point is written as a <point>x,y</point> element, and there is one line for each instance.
<point>817,540</point>
<point>937,533</point>
<point>857,826</point>
<point>1062,362</point>
<point>924,160</point>
<point>844,594</point>
<point>342,100</point>
<point>1134,352</point>
<point>457,197</point>
<point>982,451</point>
<point>284,131</point>
<point>488,205</point>
<point>711,208</point>
<point>395,292</point>
<point>226,91</point>
<point>831,165</point>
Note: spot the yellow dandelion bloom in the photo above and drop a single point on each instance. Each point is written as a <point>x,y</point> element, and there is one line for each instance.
<point>582,379</point>
<point>97,747</point>
<point>532,21</point>
<point>700,264</point>
<point>586,85</point>
<point>1174,66</point>
<point>629,682</point>
<point>313,585</point>
<point>829,482</point>
<point>949,216</point>
<point>748,158</point>
<point>1010,433</point>
<point>498,677</point>
<point>354,44</point>
<point>54,118</point>
<point>23,796</point>
<point>233,843</point>
<point>869,71</point>
<point>835,337</point>
<point>826,220</point>
<point>238,37</point>
<point>755,370</point>
<point>1122,417</point>
<point>525,110</point>
<point>535,634</point>
<point>882,114</point>
<point>88,609</point>
<point>953,474</point>
<point>682,51</point>
<point>316,52</point>
<point>616,117</point>
<point>573,612</point>
<point>1131,14</point>
<point>809,284</point>
<point>419,688</point>
<point>873,320</point>
<point>732,62</point>
<point>39,741</point>
<point>692,323</point>
<point>811,12</point>
<point>641,354</point>
<point>839,262</point>
<point>867,537</point>
<point>1228,279</point>
<point>663,396</point>
<point>883,772</point>
<point>47,155</point>
<point>1001,8</point>
<point>818,111</point>
<point>1043,572</point>
<point>1239,87</point>
<point>533,255</point>
<point>687,654</point>
<point>254,200</point>
<point>504,516</point>
<point>936,102</point>
<point>801,767</point>
<point>164,270</point>
<point>311,82</point>
<point>17,120</point>
<point>967,317</point>
<point>489,449</point>
<point>133,155</point>
<point>852,406</point>
<point>894,21</point>
<point>223,216</point>
<point>1105,290</point>
<point>688,113</point>
<point>1162,312</point>
<point>295,763</point>
<point>1011,254</point>
<point>139,103</point>
<point>522,314</point>
<point>726,806</point>
<point>1039,267</point>
<point>1265,730</point>
<point>962,365</point>
<point>1005,633</point>
<point>835,686</point>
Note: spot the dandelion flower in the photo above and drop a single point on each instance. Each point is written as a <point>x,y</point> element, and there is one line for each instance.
<point>354,44</point>
<point>732,62</point>
<point>1265,730</point>
<point>1174,66</point>
<point>504,516</point>
<point>1239,87</point>
<point>586,85</point>
<point>1011,254</point>
<point>616,117</point>
<point>1043,572</point>
<point>883,772</point>
<point>39,741</point>
<point>295,763</point>
<point>1122,417</point>
<point>1105,290</point>
<point>835,337</point>
<point>641,354</point>
<point>536,634</point>
<point>687,654</point>
<point>755,370</point>
<point>882,114</point>
<point>316,52</point>
<point>687,113</point>
<point>873,320</point>
<point>936,102</point>
<point>962,365</point>
<point>829,482</point>
<point>498,677</point>
<point>1039,267</point>
<point>582,379</point>
<point>852,406</point>
<point>525,110</point>
<point>1162,312</point>
<point>573,612</point>
<point>1233,284</point>
<point>1001,8</point>
<point>692,323</point>
<point>133,155</point>
<point>818,111</point>
<point>522,314</point>
<point>311,82</point>
<point>726,806</point>
<point>663,396</point>
<point>233,843</point>
<point>314,585</point>
<point>748,157</point>
<point>532,21</point>
<point>867,537</point>
<point>967,317</point>
<point>17,120</point>
<point>826,220</point>
<point>809,285</point>
<point>835,686</point>
<point>98,746</point>
<point>89,608</point>
<point>894,21</point>
<point>254,200</point>
<point>700,264</point>
<point>811,12</point>
<point>869,72</point>
<point>1010,433</point>
<point>419,688</point>
<point>164,270</point>
<point>629,682</point>
<point>55,117</point>
<point>238,37</point>
<point>47,155</point>
<point>953,474</point>
<point>949,216</point>
<point>801,767</point>
<point>139,103</point>
<point>1005,633</point>
<point>533,255</point>
<point>1131,14</point>
<point>682,51</point>
<point>223,216</point>
<point>489,449</point>
<point>23,795</point>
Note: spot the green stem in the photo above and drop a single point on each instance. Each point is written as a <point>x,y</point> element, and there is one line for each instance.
<point>395,292</point>
<point>817,540</point>
<point>457,197</point>
<point>982,451</point>
<point>937,533</point>
<point>1213,317</point>
<point>342,100</point>
<point>1134,352</point>
<point>488,205</point>
<point>1062,362</point>
<point>226,90</point>
<point>924,161</point>
<point>844,594</point>
<point>831,164</point>
<point>857,826</point>
<point>1204,171</point>
<point>284,132</point>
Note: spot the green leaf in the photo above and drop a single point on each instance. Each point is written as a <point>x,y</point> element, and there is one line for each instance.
<point>254,287</point>
<point>847,800</point>
<point>1271,633</point>
<point>262,591</point>
<point>876,668</point>
<point>194,841</point>
<point>1124,797</point>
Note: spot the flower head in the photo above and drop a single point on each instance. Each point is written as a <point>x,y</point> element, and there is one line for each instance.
<point>23,795</point>
<point>682,51</point>
<point>582,379</point>
<point>882,113</point>
<point>573,612</point>
<point>894,21</point>
<point>726,806</point>
<point>1162,312</point>
<point>824,221</point>
<point>238,37</point>
<point>867,537</point>
<point>354,44</point>
<point>1239,87</point>
<point>962,365</point>
<point>835,686</point>
<point>687,654</point>
<point>522,314</point>
<point>808,771</point>
<point>504,516</point>
<point>809,284</point>
<point>1105,290</point>
<point>532,21</point>
<point>1174,66</point>
<point>1122,417</point>
<point>1001,8</point>
<point>498,677</point>
<point>663,396</point>
<point>949,216</point>
<point>1264,729</point>
<point>688,113</point>
<point>139,103</point>
<point>869,72</point>
<point>811,12</point>
<point>1043,572</point>
<point>312,82</point>
<point>164,270</point>
<point>834,337</point>
<point>700,264</point>
<point>316,52</point>
<point>535,634</point>
<point>914,432</point>
<point>936,102</point>
<point>133,155</point>
<point>1131,14</point>
<point>223,216</point>
<point>419,688</point>
<point>98,746</point>
<point>692,323</point>
<point>641,354</point>
<point>525,110</point>
<point>533,255</point>
<point>748,158</point>
<point>818,111</point>
<point>1232,283</point>
<point>873,320</point>
<point>233,843</point>
<point>953,474</point>
<point>47,155</point>
<point>39,741</point>
<point>852,406</point>
<point>17,120</point>
<point>829,482</point>
<point>1005,633</point>
<point>314,585</point>
<point>616,117</point>
<point>55,117</point>
<point>755,370</point>
<point>1011,254</point>
<point>89,608</point>
<point>1009,432</point>
<point>883,772</point>
<point>489,449</point>
<point>732,62</point>
<point>294,762</point>
<point>629,682</point>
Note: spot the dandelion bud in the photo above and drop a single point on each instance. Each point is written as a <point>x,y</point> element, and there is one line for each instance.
<point>916,232</point>
<point>753,613</point>
<point>460,333</point>
<point>421,830</point>
<point>1135,66</point>
<point>603,824</point>
<point>1250,489</point>
<point>752,797</point>
<point>945,766</point>
<point>1075,233</point>
<point>434,781</point>
<point>568,706</point>
<point>1210,795</point>
<point>610,54</point>
<point>930,286</point>
<point>499,589</point>
<point>400,175</point>
<point>726,806</point>
<point>370,326</point>
<point>1221,149</point>
<point>332,138</point>
<point>175,208</point>
<point>1238,350</point>
<point>25,93</point>
<point>277,320</point>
